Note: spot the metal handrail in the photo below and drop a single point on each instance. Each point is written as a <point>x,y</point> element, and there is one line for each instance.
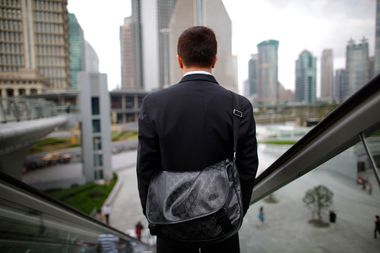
<point>342,128</point>
<point>21,109</point>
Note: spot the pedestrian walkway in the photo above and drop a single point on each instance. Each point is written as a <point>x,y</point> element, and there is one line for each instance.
<point>126,207</point>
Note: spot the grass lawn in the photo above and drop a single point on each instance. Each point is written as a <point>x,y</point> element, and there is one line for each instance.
<point>52,144</point>
<point>55,144</point>
<point>85,198</point>
<point>124,135</point>
<point>279,142</point>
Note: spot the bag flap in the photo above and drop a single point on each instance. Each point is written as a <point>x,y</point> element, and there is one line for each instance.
<point>175,197</point>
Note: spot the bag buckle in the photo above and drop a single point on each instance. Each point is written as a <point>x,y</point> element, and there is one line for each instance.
<point>237,113</point>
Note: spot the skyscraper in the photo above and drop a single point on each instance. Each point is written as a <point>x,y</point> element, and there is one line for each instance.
<point>35,56</point>
<point>77,49</point>
<point>327,75</point>
<point>306,77</point>
<point>128,56</point>
<point>137,42</point>
<point>377,40</point>
<point>188,13</point>
<point>91,58</point>
<point>267,84</point>
<point>150,32</point>
<point>357,65</point>
<point>164,12</point>
<point>252,75</point>
<point>340,85</point>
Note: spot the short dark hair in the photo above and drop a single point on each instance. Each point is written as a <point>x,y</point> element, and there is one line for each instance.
<point>197,46</point>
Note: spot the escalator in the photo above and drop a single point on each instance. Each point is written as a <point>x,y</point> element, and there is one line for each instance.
<point>31,221</point>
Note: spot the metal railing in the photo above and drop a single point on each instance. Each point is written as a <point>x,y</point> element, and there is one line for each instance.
<point>21,109</point>
<point>348,124</point>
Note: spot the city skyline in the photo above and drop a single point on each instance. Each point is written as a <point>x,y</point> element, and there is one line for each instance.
<point>350,20</point>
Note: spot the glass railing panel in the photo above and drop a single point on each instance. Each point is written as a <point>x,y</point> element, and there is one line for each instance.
<point>29,224</point>
<point>330,209</point>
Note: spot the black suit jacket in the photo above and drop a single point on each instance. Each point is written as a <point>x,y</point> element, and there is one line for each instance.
<point>188,127</point>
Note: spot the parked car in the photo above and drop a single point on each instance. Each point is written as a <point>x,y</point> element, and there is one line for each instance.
<point>56,157</point>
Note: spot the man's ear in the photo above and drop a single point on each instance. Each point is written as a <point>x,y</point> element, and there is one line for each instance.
<point>180,61</point>
<point>214,62</point>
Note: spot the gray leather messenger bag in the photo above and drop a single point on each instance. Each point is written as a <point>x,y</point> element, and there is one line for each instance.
<point>201,207</point>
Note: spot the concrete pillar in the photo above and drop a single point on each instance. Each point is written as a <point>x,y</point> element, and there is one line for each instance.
<point>13,163</point>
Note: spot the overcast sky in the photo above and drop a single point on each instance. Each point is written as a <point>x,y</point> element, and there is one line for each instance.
<point>297,24</point>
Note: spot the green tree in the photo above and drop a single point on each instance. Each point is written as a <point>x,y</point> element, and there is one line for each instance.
<point>318,199</point>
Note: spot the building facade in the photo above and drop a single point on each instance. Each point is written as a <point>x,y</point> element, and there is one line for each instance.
<point>252,75</point>
<point>267,74</point>
<point>128,55</point>
<point>357,65</point>
<point>189,13</point>
<point>377,40</point>
<point>340,85</point>
<point>95,126</point>
<point>77,49</point>
<point>306,78</point>
<point>35,40</point>
<point>165,10</point>
<point>327,75</point>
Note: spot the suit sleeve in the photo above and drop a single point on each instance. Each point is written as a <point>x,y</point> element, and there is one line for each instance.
<point>247,161</point>
<point>148,153</point>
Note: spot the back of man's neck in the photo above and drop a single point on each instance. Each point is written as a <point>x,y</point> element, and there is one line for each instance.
<point>185,70</point>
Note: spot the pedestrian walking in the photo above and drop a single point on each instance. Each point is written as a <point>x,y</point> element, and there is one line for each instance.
<point>108,243</point>
<point>332,216</point>
<point>107,213</point>
<point>369,187</point>
<point>190,126</point>
<point>377,226</point>
<point>138,230</point>
<point>99,215</point>
<point>364,184</point>
<point>261,216</point>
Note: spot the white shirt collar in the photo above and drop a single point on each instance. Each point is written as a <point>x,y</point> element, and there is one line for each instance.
<point>197,72</point>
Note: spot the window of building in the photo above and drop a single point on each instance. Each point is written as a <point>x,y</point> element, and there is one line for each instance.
<point>130,102</point>
<point>21,92</point>
<point>98,174</point>
<point>98,160</point>
<point>130,117</point>
<point>95,105</point>
<point>116,102</point>
<point>119,118</point>
<point>140,99</point>
<point>10,92</point>
<point>97,143</point>
<point>96,126</point>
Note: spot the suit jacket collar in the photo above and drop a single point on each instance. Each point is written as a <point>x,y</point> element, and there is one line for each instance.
<point>198,77</point>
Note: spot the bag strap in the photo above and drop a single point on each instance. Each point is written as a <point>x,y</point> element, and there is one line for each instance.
<point>235,121</point>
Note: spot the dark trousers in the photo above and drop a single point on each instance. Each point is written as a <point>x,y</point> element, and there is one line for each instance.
<point>231,245</point>
<point>377,230</point>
